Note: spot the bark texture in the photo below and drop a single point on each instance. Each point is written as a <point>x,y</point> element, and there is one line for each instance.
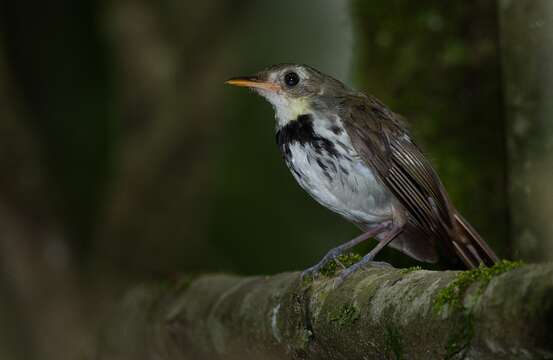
<point>376,314</point>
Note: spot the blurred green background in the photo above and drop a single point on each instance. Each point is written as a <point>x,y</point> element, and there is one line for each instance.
<point>125,158</point>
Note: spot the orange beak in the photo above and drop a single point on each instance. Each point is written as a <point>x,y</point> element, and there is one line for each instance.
<point>253,82</point>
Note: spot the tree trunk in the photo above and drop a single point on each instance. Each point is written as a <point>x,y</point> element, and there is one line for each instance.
<point>526,38</point>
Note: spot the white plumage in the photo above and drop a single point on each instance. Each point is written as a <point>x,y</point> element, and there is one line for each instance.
<point>342,183</point>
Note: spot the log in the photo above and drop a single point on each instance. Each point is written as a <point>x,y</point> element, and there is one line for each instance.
<point>502,312</point>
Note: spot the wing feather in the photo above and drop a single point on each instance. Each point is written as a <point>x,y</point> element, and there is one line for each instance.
<point>382,141</point>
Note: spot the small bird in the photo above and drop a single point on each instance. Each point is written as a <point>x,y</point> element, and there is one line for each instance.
<point>356,157</point>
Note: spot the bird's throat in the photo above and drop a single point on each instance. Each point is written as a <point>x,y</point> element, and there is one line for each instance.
<point>289,109</point>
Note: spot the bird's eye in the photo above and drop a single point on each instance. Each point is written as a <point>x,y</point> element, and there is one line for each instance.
<point>291,79</point>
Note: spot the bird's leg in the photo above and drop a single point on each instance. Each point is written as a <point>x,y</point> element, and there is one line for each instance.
<point>337,251</point>
<point>391,235</point>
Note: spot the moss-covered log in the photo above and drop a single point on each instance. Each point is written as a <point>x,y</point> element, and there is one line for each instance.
<point>498,313</point>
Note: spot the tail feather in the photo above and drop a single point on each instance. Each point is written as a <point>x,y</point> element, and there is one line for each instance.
<point>470,247</point>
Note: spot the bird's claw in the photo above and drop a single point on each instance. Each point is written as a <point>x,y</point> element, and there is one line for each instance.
<point>315,270</point>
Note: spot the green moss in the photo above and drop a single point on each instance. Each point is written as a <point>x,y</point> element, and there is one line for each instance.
<point>393,346</point>
<point>301,342</point>
<point>306,281</point>
<point>453,294</point>
<point>410,270</point>
<point>345,259</point>
<point>344,315</point>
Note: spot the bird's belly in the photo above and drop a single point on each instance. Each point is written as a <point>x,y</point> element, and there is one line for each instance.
<point>342,183</point>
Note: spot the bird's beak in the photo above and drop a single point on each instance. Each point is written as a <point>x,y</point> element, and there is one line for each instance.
<point>253,82</point>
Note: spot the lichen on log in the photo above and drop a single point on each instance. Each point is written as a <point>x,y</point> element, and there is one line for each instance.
<point>378,313</point>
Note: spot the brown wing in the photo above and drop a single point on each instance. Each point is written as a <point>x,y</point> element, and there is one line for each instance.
<point>383,142</point>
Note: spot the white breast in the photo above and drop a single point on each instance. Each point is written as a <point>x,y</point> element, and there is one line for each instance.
<point>344,183</point>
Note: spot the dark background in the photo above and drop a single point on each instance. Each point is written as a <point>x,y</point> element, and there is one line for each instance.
<point>124,157</point>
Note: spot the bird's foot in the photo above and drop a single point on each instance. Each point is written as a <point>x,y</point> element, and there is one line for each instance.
<point>315,270</point>
<point>333,254</point>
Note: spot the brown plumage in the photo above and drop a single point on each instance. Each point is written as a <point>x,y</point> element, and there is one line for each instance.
<point>381,138</point>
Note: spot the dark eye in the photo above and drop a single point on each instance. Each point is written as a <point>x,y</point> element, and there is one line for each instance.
<point>291,79</point>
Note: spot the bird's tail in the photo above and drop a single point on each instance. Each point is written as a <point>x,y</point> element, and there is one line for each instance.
<point>469,245</point>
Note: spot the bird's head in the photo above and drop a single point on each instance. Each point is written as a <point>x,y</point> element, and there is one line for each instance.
<point>292,89</point>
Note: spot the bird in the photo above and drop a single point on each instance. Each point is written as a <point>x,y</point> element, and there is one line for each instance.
<point>357,157</point>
